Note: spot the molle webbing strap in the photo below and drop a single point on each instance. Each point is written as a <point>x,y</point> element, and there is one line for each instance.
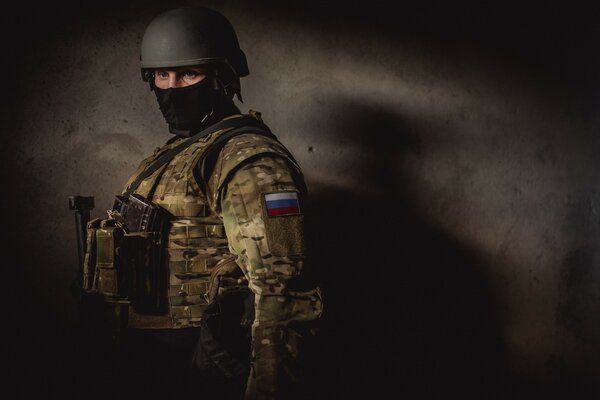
<point>236,126</point>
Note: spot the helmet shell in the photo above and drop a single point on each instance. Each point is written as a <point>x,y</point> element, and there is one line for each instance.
<point>190,36</point>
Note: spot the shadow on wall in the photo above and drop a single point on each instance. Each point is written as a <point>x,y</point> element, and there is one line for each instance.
<point>408,311</point>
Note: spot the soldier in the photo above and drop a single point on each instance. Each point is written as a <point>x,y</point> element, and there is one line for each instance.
<point>233,197</point>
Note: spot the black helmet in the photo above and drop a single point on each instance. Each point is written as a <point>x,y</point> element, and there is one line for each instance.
<point>190,36</point>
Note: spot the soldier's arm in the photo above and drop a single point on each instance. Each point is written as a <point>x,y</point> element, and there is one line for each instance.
<point>262,209</point>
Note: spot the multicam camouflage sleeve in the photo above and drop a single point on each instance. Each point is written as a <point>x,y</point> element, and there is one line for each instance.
<point>261,206</point>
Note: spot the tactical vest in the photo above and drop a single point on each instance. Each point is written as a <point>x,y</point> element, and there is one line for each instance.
<point>195,241</point>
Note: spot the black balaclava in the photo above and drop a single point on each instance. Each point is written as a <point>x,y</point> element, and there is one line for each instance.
<point>190,109</point>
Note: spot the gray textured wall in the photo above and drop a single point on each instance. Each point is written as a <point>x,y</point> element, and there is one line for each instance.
<point>452,159</point>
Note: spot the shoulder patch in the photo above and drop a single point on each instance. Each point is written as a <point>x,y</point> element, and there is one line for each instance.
<point>284,223</point>
<point>281,203</point>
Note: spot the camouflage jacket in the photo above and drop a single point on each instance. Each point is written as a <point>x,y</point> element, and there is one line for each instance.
<point>256,190</point>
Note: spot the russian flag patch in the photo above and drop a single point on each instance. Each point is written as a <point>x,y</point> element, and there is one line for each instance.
<point>282,203</point>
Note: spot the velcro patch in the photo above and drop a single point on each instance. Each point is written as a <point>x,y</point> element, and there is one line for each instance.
<point>282,203</point>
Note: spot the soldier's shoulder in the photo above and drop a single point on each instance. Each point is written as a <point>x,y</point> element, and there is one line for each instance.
<point>247,148</point>
<point>246,145</point>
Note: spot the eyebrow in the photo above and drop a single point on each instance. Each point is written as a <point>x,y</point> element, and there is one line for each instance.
<point>198,70</point>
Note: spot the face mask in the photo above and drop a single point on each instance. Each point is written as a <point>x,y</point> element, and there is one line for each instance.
<point>185,108</point>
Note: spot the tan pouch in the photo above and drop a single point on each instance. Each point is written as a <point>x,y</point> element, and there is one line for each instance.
<point>225,274</point>
<point>109,246</point>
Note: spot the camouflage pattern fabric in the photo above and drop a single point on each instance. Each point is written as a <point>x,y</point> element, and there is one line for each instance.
<point>250,167</point>
<point>231,221</point>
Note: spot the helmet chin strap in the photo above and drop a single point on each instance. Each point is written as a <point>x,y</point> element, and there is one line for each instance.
<point>225,89</point>
<point>233,87</point>
<point>211,112</point>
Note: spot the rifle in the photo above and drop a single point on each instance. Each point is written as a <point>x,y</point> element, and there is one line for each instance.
<point>82,205</point>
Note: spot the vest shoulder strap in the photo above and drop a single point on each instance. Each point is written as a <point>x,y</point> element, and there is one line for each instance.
<point>228,127</point>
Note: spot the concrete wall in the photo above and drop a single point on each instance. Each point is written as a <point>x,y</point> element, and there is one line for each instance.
<point>452,159</point>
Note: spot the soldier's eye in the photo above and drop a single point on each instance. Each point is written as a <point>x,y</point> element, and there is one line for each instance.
<point>162,74</point>
<point>189,74</point>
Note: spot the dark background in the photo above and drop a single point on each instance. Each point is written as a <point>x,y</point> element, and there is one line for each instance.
<point>451,152</point>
